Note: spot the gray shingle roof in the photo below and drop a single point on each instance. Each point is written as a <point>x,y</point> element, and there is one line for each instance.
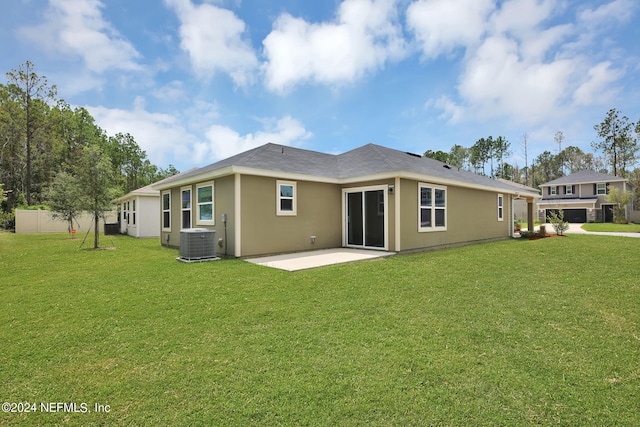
<point>278,158</point>
<point>367,160</point>
<point>370,159</point>
<point>583,177</point>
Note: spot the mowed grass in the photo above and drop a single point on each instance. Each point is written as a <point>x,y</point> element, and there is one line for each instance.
<point>608,227</point>
<point>456,337</point>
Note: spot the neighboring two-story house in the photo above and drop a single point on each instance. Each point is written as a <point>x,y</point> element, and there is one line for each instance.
<point>582,196</point>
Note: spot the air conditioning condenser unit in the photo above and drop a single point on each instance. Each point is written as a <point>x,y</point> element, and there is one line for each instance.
<point>197,244</point>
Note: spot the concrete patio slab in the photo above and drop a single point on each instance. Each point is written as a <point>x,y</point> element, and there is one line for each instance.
<point>320,258</point>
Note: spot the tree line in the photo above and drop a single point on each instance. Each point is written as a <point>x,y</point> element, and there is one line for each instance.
<point>43,138</point>
<point>617,145</point>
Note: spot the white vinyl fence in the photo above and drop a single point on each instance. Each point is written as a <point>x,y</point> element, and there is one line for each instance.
<point>40,221</point>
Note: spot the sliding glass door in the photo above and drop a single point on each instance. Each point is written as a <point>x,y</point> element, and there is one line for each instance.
<point>365,212</point>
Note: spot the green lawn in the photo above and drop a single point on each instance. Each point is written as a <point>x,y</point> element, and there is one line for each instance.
<point>453,337</point>
<point>608,227</point>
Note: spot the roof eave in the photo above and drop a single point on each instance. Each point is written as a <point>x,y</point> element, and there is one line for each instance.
<point>243,170</point>
<point>136,193</point>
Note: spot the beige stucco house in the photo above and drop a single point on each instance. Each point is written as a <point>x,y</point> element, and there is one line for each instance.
<point>582,196</point>
<point>277,199</point>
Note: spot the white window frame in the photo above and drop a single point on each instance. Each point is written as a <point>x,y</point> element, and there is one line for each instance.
<point>604,189</point>
<point>183,210</point>
<point>553,190</point>
<point>212,221</point>
<point>167,193</point>
<point>433,208</point>
<point>500,207</point>
<point>133,211</point>
<point>279,198</point>
<point>568,189</point>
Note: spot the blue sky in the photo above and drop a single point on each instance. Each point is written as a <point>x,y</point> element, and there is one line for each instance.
<point>196,81</point>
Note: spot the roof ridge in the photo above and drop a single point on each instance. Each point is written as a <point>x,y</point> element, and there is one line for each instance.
<point>254,152</point>
<point>384,156</point>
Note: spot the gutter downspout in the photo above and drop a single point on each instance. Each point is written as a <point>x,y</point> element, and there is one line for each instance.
<point>513,215</point>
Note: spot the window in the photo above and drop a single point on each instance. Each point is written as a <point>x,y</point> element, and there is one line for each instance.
<point>553,191</point>
<point>205,215</point>
<point>601,189</point>
<point>185,206</point>
<point>432,206</point>
<point>134,212</point>
<point>568,189</point>
<point>500,207</point>
<point>286,198</point>
<point>166,210</point>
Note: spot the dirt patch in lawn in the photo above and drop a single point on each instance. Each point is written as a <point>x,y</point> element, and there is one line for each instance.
<point>538,236</point>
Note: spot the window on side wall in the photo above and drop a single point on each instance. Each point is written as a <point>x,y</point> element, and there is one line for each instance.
<point>134,212</point>
<point>286,198</point>
<point>166,210</point>
<point>432,208</point>
<point>553,191</point>
<point>185,206</point>
<point>568,189</point>
<point>205,197</point>
<point>500,207</point>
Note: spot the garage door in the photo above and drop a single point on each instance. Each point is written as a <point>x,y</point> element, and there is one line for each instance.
<point>571,215</point>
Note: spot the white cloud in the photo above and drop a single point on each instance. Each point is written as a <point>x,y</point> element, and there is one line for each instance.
<point>443,25</point>
<point>362,38</point>
<point>517,64</point>
<point>223,142</point>
<point>451,112</point>
<point>162,136</point>
<point>172,91</point>
<point>521,17</point>
<point>498,82</point>
<point>212,37</point>
<point>597,88</point>
<point>76,28</point>
<point>609,13</point>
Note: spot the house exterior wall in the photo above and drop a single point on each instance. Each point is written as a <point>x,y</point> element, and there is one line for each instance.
<point>147,222</point>
<point>224,194</point>
<point>581,190</point>
<point>172,238</point>
<point>472,215</point>
<point>264,232</point>
<point>320,213</point>
<point>223,202</point>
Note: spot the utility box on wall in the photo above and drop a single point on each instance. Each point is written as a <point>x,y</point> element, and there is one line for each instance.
<point>197,244</point>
